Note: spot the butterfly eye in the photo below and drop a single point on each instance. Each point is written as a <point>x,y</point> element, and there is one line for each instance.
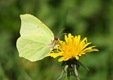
<point>56,38</point>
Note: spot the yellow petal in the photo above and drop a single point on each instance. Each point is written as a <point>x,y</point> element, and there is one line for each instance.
<point>63,59</point>
<point>54,55</point>
<point>77,57</point>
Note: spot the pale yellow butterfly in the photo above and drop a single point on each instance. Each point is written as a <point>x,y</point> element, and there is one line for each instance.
<point>36,39</point>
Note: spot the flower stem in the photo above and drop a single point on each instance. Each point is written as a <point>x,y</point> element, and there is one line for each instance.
<point>61,75</point>
<point>78,78</point>
<point>76,72</point>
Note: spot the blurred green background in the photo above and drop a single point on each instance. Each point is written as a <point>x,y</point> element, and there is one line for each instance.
<point>90,18</point>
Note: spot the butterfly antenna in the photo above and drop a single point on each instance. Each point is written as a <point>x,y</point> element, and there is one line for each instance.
<point>56,38</point>
<point>61,31</point>
<point>65,33</point>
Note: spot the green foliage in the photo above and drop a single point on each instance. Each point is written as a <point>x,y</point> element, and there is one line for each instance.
<point>90,18</point>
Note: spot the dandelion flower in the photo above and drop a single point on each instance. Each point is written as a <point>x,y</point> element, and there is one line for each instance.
<point>72,47</point>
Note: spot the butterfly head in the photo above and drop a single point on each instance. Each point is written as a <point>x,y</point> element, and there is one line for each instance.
<point>56,38</point>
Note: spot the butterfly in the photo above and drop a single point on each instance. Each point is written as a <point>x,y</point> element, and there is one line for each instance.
<point>36,39</point>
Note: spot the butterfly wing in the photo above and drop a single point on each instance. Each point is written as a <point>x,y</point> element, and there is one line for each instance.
<point>31,25</point>
<point>33,44</point>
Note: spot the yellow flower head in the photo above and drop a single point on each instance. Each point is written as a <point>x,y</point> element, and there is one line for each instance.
<point>72,47</point>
